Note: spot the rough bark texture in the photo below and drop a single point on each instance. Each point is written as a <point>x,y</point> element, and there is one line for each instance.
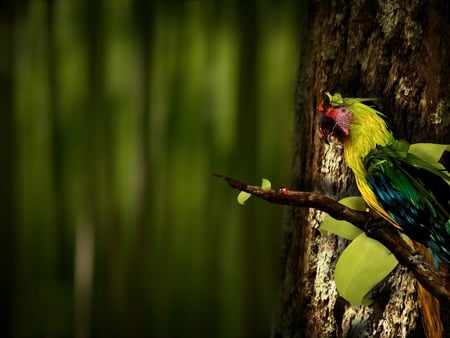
<point>397,52</point>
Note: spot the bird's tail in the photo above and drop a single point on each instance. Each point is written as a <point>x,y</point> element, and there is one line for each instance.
<point>429,305</point>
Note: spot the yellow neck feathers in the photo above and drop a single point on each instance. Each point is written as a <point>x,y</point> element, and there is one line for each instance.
<point>367,130</point>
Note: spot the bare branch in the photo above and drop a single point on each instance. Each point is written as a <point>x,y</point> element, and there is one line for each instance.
<point>435,282</point>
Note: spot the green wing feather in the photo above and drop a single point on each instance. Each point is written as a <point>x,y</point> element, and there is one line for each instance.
<point>399,149</point>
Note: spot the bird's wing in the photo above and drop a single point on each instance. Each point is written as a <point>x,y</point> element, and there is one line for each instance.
<point>414,193</point>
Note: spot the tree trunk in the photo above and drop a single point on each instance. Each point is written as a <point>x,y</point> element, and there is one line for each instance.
<point>397,52</point>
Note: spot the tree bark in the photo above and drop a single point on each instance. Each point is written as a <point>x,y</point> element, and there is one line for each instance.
<point>397,52</point>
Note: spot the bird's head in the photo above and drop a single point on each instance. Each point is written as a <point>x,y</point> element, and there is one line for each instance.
<point>334,120</point>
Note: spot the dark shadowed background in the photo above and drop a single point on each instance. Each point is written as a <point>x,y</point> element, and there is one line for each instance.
<point>116,113</point>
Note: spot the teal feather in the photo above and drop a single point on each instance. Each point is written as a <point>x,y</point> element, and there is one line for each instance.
<point>414,192</point>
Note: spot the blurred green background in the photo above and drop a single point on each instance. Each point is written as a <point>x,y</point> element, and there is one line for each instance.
<point>121,111</point>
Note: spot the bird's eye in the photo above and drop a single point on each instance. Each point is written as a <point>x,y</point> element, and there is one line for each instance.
<point>343,110</point>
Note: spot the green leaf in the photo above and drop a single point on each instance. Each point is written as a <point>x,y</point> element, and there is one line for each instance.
<point>362,265</point>
<point>344,228</point>
<point>243,197</point>
<point>266,185</point>
<point>429,152</point>
<point>354,202</point>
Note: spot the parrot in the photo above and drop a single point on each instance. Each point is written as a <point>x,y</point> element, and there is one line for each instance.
<point>406,190</point>
<point>409,192</point>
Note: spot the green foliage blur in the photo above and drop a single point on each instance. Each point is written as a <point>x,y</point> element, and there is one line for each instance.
<point>118,112</point>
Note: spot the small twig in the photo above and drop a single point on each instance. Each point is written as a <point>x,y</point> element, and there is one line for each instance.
<point>435,282</point>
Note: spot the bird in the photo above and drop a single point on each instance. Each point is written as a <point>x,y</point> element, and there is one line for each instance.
<point>406,190</point>
<point>410,193</point>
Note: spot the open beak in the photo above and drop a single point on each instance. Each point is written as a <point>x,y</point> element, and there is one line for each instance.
<point>323,136</point>
<point>326,127</point>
